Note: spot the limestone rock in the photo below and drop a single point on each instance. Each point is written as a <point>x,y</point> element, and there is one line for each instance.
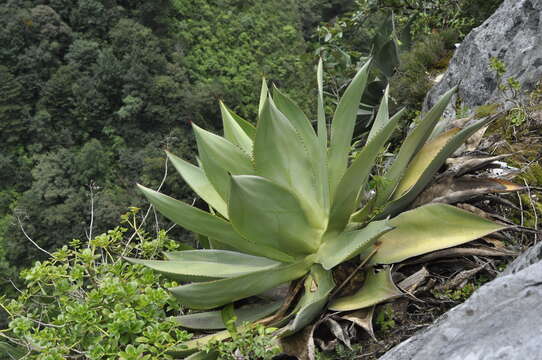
<point>511,34</point>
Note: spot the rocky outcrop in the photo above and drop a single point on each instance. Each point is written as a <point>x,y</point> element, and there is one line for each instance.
<point>501,320</point>
<point>512,34</point>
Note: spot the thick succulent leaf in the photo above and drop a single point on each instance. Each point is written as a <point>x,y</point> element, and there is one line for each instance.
<point>304,129</point>
<point>264,93</point>
<point>203,223</point>
<point>212,320</point>
<point>203,355</point>
<point>421,161</point>
<point>192,347</point>
<point>233,132</point>
<point>355,178</point>
<point>322,125</point>
<point>342,127</point>
<point>397,205</point>
<point>247,127</point>
<point>318,286</point>
<point>382,117</point>
<point>216,293</point>
<point>282,157</point>
<point>413,142</point>
<point>426,229</point>
<point>346,245</point>
<point>207,264</point>
<point>220,157</point>
<point>377,288</point>
<point>197,180</point>
<point>269,214</point>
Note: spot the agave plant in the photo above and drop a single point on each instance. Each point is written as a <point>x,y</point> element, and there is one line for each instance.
<point>290,204</point>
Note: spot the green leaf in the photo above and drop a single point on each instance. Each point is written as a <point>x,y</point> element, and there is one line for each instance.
<point>382,117</point>
<point>196,179</point>
<point>247,127</point>
<point>355,178</point>
<point>269,214</point>
<point>342,127</point>
<point>203,355</point>
<point>377,288</point>
<point>345,246</point>
<point>318,286</point>
<point>193,346</point>
<point>429,228</point>
<point>199,265</point>
<point>421,161</point>
<point>304,129</point>
<point>216,293</point>
<point>203,223</point>
<point>264,93</point>
<point>451,146</point>
<point>212,320</point>
<point>322,125</point>
<point>281,156</point>
<point>220,157</point>
<point>413,142</point>
<point>233,132</point>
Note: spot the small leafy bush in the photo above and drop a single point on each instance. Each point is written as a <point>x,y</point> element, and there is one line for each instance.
<point>83,302</point>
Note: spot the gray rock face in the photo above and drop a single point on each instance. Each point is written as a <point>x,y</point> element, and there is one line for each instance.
<point>501,320</point>
<point>529,257</point>
<point>514,35</point>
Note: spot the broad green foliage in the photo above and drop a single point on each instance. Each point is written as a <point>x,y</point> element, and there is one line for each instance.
<point>290,204</point>
<point>84,302</point>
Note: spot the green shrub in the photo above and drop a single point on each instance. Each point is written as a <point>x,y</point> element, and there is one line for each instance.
<point>83,302</point>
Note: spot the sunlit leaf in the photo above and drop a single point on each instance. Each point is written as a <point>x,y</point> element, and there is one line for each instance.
<point>429,228</point>
<point>212,320</point>
<point>201,222</point>
<point>355,178</point>
<point>305,131</point>
<point>382,116</point>
<point>196,179</point>
<point>233,132</point>
<point>198,265</point>
<point>377,288</point>
<point>452,145</point>
<point>322,125</point>
<point>282,223</point>
<point>421,161</point>
<point>216,293</point>
<point>348,244</point>
<point>413,142</point>
<point>342,127</point>
<point>281,157</point>
<point>220,158</point>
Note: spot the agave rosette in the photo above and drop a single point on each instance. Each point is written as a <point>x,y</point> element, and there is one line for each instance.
<point>286,202</point>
